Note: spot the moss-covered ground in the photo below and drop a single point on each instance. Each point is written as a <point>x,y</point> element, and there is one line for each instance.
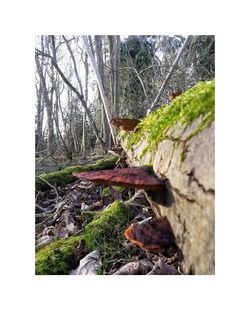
<point>103,233</point>
<point>57,258</point>
<point>65,176</point>
<point>198,101</point>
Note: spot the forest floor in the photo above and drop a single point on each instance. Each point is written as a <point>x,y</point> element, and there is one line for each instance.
<point>50,164</point>
<point>65,212</point>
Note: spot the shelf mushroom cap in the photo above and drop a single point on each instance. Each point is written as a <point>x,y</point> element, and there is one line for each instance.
<point>127,124</point>
<point>133,177</point>
<point>152,235</point>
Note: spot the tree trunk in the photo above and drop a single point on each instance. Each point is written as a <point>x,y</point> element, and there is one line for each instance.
<point>117,77</point>
<point>80,97</point>
<point>84,124</point>
<point>112,66</point>
<point>48,104</point>
<point>100,85</point>
<point>99,57</point>
<point>39,119</point>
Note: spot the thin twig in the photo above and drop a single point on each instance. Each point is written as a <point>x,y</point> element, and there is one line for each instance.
<point>37,196</point>
<point>39,224</point>
<point>50,185</point>
<point>138,193</point>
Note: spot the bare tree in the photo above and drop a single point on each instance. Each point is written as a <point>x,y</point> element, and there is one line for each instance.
<point>48,104</point>
<point>70,85</point>
<point>99,57</point>
<point>117,76</point>
<point>114,52</point>
<point>100,85</point>
<point>84,124</point>
<point>39,118</point>
<point>169,74</point>
<point>112,73</point>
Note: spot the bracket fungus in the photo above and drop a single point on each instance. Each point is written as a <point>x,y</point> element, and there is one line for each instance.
<point>126,124</point>
<point>174,94</point>
<point>151,235</point>
<point>133,177</point>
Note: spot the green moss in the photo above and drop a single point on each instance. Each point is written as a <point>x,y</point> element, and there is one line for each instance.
<point>105,233</point>
<point>123,134</point>
<point>65,176</point>
<point>195,102</point>
<point>106,192</point>
<point>57,258</point>
<point>119,188</point>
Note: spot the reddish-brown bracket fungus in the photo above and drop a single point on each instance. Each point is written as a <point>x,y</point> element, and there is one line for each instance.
<point>152,235</point>
<point>127,124</point>
<point>135,177</point>
<point>173,95</point>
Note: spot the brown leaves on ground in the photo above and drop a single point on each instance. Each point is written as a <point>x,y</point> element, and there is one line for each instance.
<point>156,266</point>
<point>60,213</point>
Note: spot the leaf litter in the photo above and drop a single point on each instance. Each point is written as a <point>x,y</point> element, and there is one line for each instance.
<point>64,211</point>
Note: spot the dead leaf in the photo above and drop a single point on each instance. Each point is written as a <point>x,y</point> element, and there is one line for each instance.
<point>45,240</point>
<point>140,267</point>
<point>162,268</point>
<point>89,264</point>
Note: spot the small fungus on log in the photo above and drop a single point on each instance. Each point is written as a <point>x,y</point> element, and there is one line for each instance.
<point>127,124</point>
<point>173,95</point>
<point>135,177</point>
<point>152,235</point>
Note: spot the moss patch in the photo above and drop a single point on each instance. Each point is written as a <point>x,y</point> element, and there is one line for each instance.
<point>106,192</point>
<point>195,102</point>
<point>105,233</point>
<point>57,258</point>
<point>119,188</point>
<point>65,176</point>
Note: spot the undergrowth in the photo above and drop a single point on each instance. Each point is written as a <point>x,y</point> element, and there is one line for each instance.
<point>105,233</point>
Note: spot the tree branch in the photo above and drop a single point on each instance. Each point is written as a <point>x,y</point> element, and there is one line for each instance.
<point>169,74</point>
<point>67,82</point>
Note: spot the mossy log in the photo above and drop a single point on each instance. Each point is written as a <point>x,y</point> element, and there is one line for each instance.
<point>62,177</point>
<point>178,141</point>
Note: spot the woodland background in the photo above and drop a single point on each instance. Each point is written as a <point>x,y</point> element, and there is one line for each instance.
<point>70,119</point>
